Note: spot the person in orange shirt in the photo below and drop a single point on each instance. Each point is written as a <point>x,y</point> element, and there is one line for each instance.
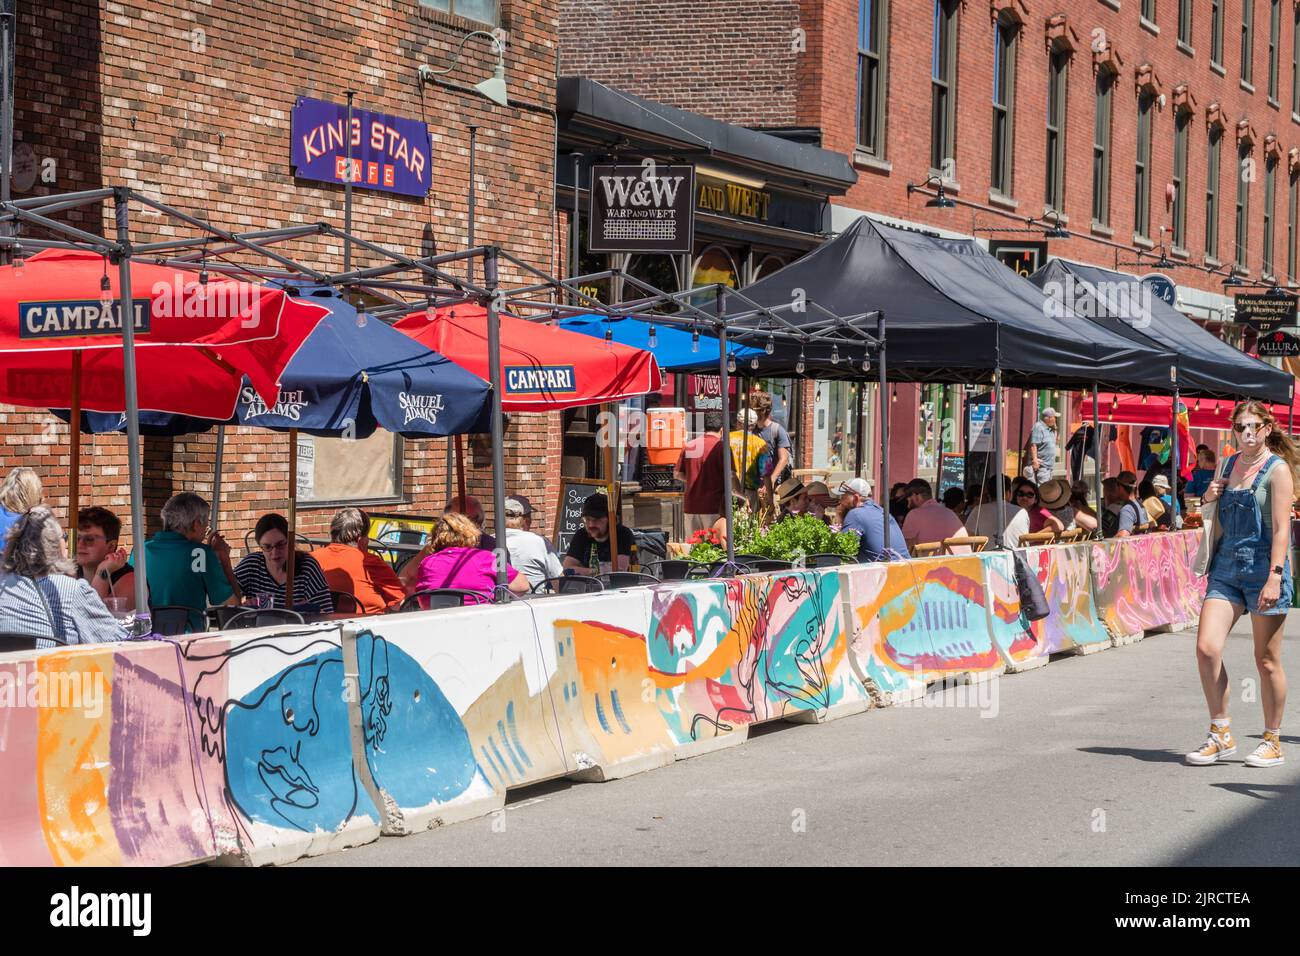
<point>350,567</point>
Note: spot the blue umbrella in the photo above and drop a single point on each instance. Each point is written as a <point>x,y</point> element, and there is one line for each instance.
<point>674,349</point>
<point>351,376</point>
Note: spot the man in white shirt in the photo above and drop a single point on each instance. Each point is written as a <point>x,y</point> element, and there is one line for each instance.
<point>983,519</point>
<point>530,554</point>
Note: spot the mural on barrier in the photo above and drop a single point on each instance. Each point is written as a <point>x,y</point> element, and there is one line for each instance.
<point>1146,581</point>
<point>1063,571</point>
<point>1015,639</point>
<point>724,654</point>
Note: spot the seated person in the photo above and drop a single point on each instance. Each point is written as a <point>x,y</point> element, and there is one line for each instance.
<point>185,564</point>
<point>529,552</point>
<point>39,596</point>
<point>1054,510</point>
<point>928,521</point>
<point>472,508</point>
<point>262,573</point>
<point>1084,515</point>
<point>983,519</point>
<point>1123,513</point>
<point>350,567</point>
<point>866,518</point>
<point>593,536</point>
<point>99,560</point>
<point>954,499</point>
<point>792,498</point>
<point>454,560</point>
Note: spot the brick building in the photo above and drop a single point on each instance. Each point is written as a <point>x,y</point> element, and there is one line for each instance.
<point>1126,120</point>
<point>190,103</point>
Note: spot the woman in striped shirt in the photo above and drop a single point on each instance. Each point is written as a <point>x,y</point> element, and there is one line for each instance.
<point>262,573</point>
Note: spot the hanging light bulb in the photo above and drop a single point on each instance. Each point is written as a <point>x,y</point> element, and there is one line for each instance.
<point>609,332</point>
<point>20,263</point>
<point>653,339</point>
<point>894,397</point>
<point>866,363</point>
<point>695,340</point>
<point>835,354</point>
<point>753,362</point>
<point>203,275</point>
<point>431,313</point>
<point>105,293</point>
<point>799,366</point>
<point>731,362</point>
<point>770,347</point>
<point>361,319</point>
<point>1144,399</point>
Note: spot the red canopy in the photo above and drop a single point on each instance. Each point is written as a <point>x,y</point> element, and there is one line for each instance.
<point>195,342</point>
<point>542,367</point>
<point>1124,409</point>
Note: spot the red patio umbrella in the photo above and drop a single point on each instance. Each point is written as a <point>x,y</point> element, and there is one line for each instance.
<point>543,368</point>
<point>195,341</point>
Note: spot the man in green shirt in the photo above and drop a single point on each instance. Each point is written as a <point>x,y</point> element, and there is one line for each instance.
<point>187,565</point>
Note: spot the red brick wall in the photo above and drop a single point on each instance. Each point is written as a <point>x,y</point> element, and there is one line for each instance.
<point>129,93</point>
<point>733,60</point>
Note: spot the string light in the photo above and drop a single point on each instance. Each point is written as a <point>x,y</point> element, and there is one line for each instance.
<point>894,396</point>
<point>695,340</point>
<point>866,363</point>
<point>653,339</point>
<point>771,345</point>
<point>731,362</point>
<point>799,366</point>
<point>753,362</point>
<point>835,354</point>
<point>431,313</point>
<point>105,289</point>
<point>20,263</point>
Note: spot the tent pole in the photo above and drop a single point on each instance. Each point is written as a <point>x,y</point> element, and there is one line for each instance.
<point>347,224</point>
<point>473,195</point>
<point>858,453</point>
<point>126,312</point>
<point>611,408</point>
<point>1173,457</point>
<point>216,478</point>
<point>293,518</point>
<point>460,472</point>
<point>1096,461</point>
<point>498,423</point>
<point>726,417</point>
<point>451,462</point>
<point>999,451</point>
<point>74,456</point>
<point>882,493</point>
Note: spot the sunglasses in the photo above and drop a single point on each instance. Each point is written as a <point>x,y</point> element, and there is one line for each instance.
<point>1241,427</point>
<point>1026,494</point>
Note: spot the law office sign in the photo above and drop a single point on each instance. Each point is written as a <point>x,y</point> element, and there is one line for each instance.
<point>646,207</point>
<point>389,153</point>
<point>1265,311</point>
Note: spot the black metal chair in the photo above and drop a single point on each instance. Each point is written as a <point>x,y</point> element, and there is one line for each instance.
<point>718,569</point>
<point>432,599</point>
<point>13,641</point>
<point>263,617</point>
<point>345,603</point>
<point>570,584</point>
<point>172,619</point>
<point>823,560</point>
<point>627,579</point>
<point>749,558</point>
<point>770,564</point>
<point>671,569</point>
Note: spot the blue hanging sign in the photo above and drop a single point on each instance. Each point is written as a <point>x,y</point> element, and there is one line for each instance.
<point>389,153</point>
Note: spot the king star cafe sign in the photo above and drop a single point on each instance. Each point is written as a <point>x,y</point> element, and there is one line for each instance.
<point>388,152</point>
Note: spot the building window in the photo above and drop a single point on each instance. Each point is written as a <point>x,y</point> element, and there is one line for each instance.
<point>1182,122</point>
<point>349,470</point>
<point>1142,180</point>
<point>1058,72</point>
<point>1270,177</point>
<point>1149,10</point>
<point>1101,150</point>
<point>943,73</point>
<point>1293,193</point>
<point>1243,205</point>
<point>1274,41</point>
<point>873,35</point>
<point>484,11</point>
<point>1212,195</point>
<point>1247,39</point>
<point>1004,111</point>
<point>1185,22</point>
<point>1216,32</point>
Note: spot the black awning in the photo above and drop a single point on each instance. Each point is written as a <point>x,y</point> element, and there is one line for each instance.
<point>580,99</point>
<point>1207,365</point>
<point>952,313</point>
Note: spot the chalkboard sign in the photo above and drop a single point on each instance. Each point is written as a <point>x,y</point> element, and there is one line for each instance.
<point>952,473</point>
<point>574,492</point>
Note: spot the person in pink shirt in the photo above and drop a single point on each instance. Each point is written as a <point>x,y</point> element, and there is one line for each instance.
<point>453,559</point>
<point>928,521</point>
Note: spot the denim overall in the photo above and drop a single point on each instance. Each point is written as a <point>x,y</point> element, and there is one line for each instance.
<point>1243,558</point>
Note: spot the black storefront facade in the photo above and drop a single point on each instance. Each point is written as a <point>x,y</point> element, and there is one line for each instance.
<point>761,200</point>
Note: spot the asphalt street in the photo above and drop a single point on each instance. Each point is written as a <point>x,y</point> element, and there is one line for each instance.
<point>1077,763</point>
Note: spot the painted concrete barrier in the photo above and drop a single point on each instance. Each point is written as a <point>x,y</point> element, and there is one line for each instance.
<point>263,746</point>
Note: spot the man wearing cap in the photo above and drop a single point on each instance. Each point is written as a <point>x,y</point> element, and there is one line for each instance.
<point>530,554</point>
<point>595,533</point>
<point>1041,447</point>
<point>928,520</point>
<point>867,518</point>
<point>700,470</point>
<point>1123,513</point>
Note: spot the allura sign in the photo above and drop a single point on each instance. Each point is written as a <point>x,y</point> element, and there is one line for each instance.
<point>388,152</point>
<point>647,207</point>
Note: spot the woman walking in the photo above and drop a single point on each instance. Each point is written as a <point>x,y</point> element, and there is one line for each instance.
<point>1250,570</point>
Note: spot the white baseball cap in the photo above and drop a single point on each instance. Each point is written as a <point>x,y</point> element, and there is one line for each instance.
<point>1049,413</point>
<point>855,486</point>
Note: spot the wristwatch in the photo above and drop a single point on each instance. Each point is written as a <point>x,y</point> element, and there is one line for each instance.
<point>1277,569</point>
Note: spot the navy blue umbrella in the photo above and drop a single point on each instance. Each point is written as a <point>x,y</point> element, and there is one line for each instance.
<point>351,376</point>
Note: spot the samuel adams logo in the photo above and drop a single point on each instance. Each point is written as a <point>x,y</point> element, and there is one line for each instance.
<point>424,408</point>
<point>58,320</point>
<point>289,405</point>
<point>538,380</point>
